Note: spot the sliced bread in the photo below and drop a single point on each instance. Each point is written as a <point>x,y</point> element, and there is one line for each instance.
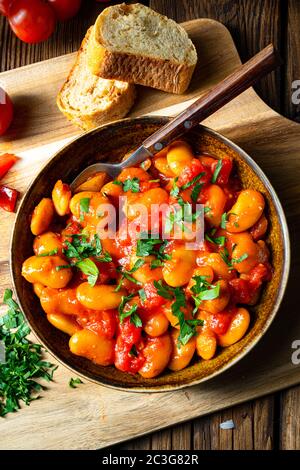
<point>135,44</point>
<point>89,101</point>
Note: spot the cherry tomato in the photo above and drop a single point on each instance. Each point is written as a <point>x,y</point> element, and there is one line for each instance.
<point>6,111</point>
<point>65,9</point>
<point>4,6</point>
<point>8,198</point>
<point>7,160</point>
<point>32,21</point>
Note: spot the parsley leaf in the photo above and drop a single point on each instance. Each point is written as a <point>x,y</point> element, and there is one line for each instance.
<point>187,327</point>
<point>88,267</point>
<point>49,253</point>
<point>224,220</point>
<point>196,191</point>
<point>125,312</point>
<point>175,189</point>
<point>217,240</point>
<point>240,259</point>
<point>217,171</point>
<point>74,382</point>
<point>203,290</point>
<point>62,266</point>
<point>23,362</point>
<point>127,274</point>
<point>132,185</point>
<point>145,247</point>
<point>162,290</point>
<point>84,205</point>
<point>193,181</point>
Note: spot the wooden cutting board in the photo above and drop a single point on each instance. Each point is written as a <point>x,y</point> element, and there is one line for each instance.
<point>93,416</point>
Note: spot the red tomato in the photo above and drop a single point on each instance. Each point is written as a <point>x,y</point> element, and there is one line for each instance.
<point>6,111</point>
<point>240,291</point>
<point>225,171</point>
<point>130,333</point>
<point>8,198</point>
<point>102,322</point>
<point>32,20</point>
<point>65,9</point>
<point>219,322</point>
<point>192,171</point>
<point>107,271</point>
<point>73,228</point>
<point>7,160</point>
<point>4,6</point>
<point>127,359</point>
<point>153,299</point>
<point>258,275</point>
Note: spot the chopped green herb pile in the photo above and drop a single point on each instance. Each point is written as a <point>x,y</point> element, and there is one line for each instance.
<point>23,361</point>
<point>74,382</point>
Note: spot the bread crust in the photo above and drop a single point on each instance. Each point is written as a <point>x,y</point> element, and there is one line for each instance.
<point>158,73</point>
<point>119,106</point>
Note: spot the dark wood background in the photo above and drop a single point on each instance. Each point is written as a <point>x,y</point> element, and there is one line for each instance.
<point>272,422</point>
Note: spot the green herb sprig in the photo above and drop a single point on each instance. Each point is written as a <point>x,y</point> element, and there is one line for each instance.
<point>23,363</point>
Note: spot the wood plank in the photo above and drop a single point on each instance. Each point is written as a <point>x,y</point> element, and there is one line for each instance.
<point>290,419</point>
<point>259,130</point>
<point>253,25</point>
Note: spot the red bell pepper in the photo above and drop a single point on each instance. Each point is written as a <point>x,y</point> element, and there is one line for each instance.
<point>8,198</point>
<point>7,160</point>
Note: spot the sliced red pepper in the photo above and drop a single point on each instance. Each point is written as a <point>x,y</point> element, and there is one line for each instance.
<point>8,198</point>
<point>7,160</point>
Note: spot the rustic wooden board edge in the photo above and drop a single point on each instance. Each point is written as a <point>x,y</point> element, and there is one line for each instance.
<point>288,379</point>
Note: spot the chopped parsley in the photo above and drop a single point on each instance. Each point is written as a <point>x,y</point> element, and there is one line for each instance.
<point>147,247</point>
<point>88,267</point>
<point>23,363</point>
<point>127,274</point>
<point>224,220</point>
<point>175,189</point>
<point>196,191</point>
<point>125,312</point>
<point>131,184</point>
<point>187,327</point>
<point>142,295</point>
<point>49,253</point>
<point>62,266</point>
<point>217,171</point>
<point>74,382</point>
<point>84,206</point>
<point>193,181</point>
<point>80,249</point>
<point>203,290</point>
<point>240,259</point>
<point>215,240</point>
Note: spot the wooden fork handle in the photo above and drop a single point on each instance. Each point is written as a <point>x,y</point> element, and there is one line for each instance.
<point>233,85</point>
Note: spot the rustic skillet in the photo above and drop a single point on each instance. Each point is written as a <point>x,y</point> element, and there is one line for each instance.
<point>110,143</point>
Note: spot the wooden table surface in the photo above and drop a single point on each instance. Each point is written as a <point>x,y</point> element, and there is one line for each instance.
<point>272,422</point>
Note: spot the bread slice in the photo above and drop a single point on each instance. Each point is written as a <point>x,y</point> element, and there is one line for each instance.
<point>135,44</point>
<point>90,101</point>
